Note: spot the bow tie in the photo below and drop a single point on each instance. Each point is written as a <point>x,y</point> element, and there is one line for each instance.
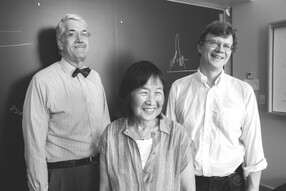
<point>84,72</point>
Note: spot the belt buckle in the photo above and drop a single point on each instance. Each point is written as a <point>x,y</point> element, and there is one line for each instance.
<point>91,160</point>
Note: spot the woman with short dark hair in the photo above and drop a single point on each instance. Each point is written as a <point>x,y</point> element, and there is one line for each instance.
<point>144,150</point>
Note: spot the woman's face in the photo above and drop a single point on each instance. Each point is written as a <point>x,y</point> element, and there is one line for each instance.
<point>147,101</point>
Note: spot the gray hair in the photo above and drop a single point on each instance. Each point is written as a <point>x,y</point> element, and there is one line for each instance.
<point>60,27</point>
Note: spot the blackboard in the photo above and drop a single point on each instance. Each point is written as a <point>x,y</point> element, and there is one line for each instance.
<point>28,44</point>
<point>123,31</point>
<point>149,29</point>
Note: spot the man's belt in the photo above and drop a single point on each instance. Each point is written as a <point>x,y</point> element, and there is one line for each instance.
<point>74,163</point>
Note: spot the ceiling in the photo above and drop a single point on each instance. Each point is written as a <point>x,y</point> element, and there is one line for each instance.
<point>217,4</point>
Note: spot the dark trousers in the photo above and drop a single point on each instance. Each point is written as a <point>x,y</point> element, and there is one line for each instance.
<point>233,182</point>
<point>79,178</point>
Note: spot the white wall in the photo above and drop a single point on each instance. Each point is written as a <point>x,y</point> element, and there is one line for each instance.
<point>251,20</point>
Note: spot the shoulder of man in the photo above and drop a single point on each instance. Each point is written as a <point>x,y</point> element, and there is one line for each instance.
<point>46,71</point>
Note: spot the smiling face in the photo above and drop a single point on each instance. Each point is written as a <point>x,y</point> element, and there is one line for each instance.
<point>74,47</point>
<point>147,101</point>
<point>214,58</point>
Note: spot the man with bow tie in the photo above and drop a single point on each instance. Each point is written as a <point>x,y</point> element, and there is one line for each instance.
<point>64,114</point>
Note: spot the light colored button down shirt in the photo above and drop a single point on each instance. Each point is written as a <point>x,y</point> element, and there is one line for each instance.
<point>170,155</point>
<point>222,121</point>
<point>63,119</point>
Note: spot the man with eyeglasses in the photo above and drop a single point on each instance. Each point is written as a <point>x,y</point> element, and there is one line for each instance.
<point>65,112</point>
<point>221,116</point>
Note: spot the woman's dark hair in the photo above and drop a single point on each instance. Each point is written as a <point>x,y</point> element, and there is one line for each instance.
<point>136,76</point>
<point>218,28</point>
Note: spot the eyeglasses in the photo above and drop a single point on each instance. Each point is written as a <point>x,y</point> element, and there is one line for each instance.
<point>74,34</point>
<point>216,44</point>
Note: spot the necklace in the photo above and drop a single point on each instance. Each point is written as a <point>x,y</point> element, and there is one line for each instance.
<point>145,134</point>
<point>145,129</point>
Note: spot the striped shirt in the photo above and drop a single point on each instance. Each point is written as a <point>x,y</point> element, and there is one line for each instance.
<point>63,119</point>
<point>222,121</point>
<point>170,155</point>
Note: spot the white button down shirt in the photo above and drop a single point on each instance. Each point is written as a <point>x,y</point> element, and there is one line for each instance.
<point>63,119</point>
<point>222,121</point>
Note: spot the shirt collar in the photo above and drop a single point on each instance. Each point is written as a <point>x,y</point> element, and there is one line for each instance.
<point>163,124</point>
<point>203,79</point>
<point>67,67</point>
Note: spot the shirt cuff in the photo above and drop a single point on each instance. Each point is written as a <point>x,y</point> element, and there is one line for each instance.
<point>254,168</point>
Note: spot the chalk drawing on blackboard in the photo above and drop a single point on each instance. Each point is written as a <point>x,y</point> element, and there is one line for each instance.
<point>177,63</point>
<point>9,31</point>
<point>12,45</point>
